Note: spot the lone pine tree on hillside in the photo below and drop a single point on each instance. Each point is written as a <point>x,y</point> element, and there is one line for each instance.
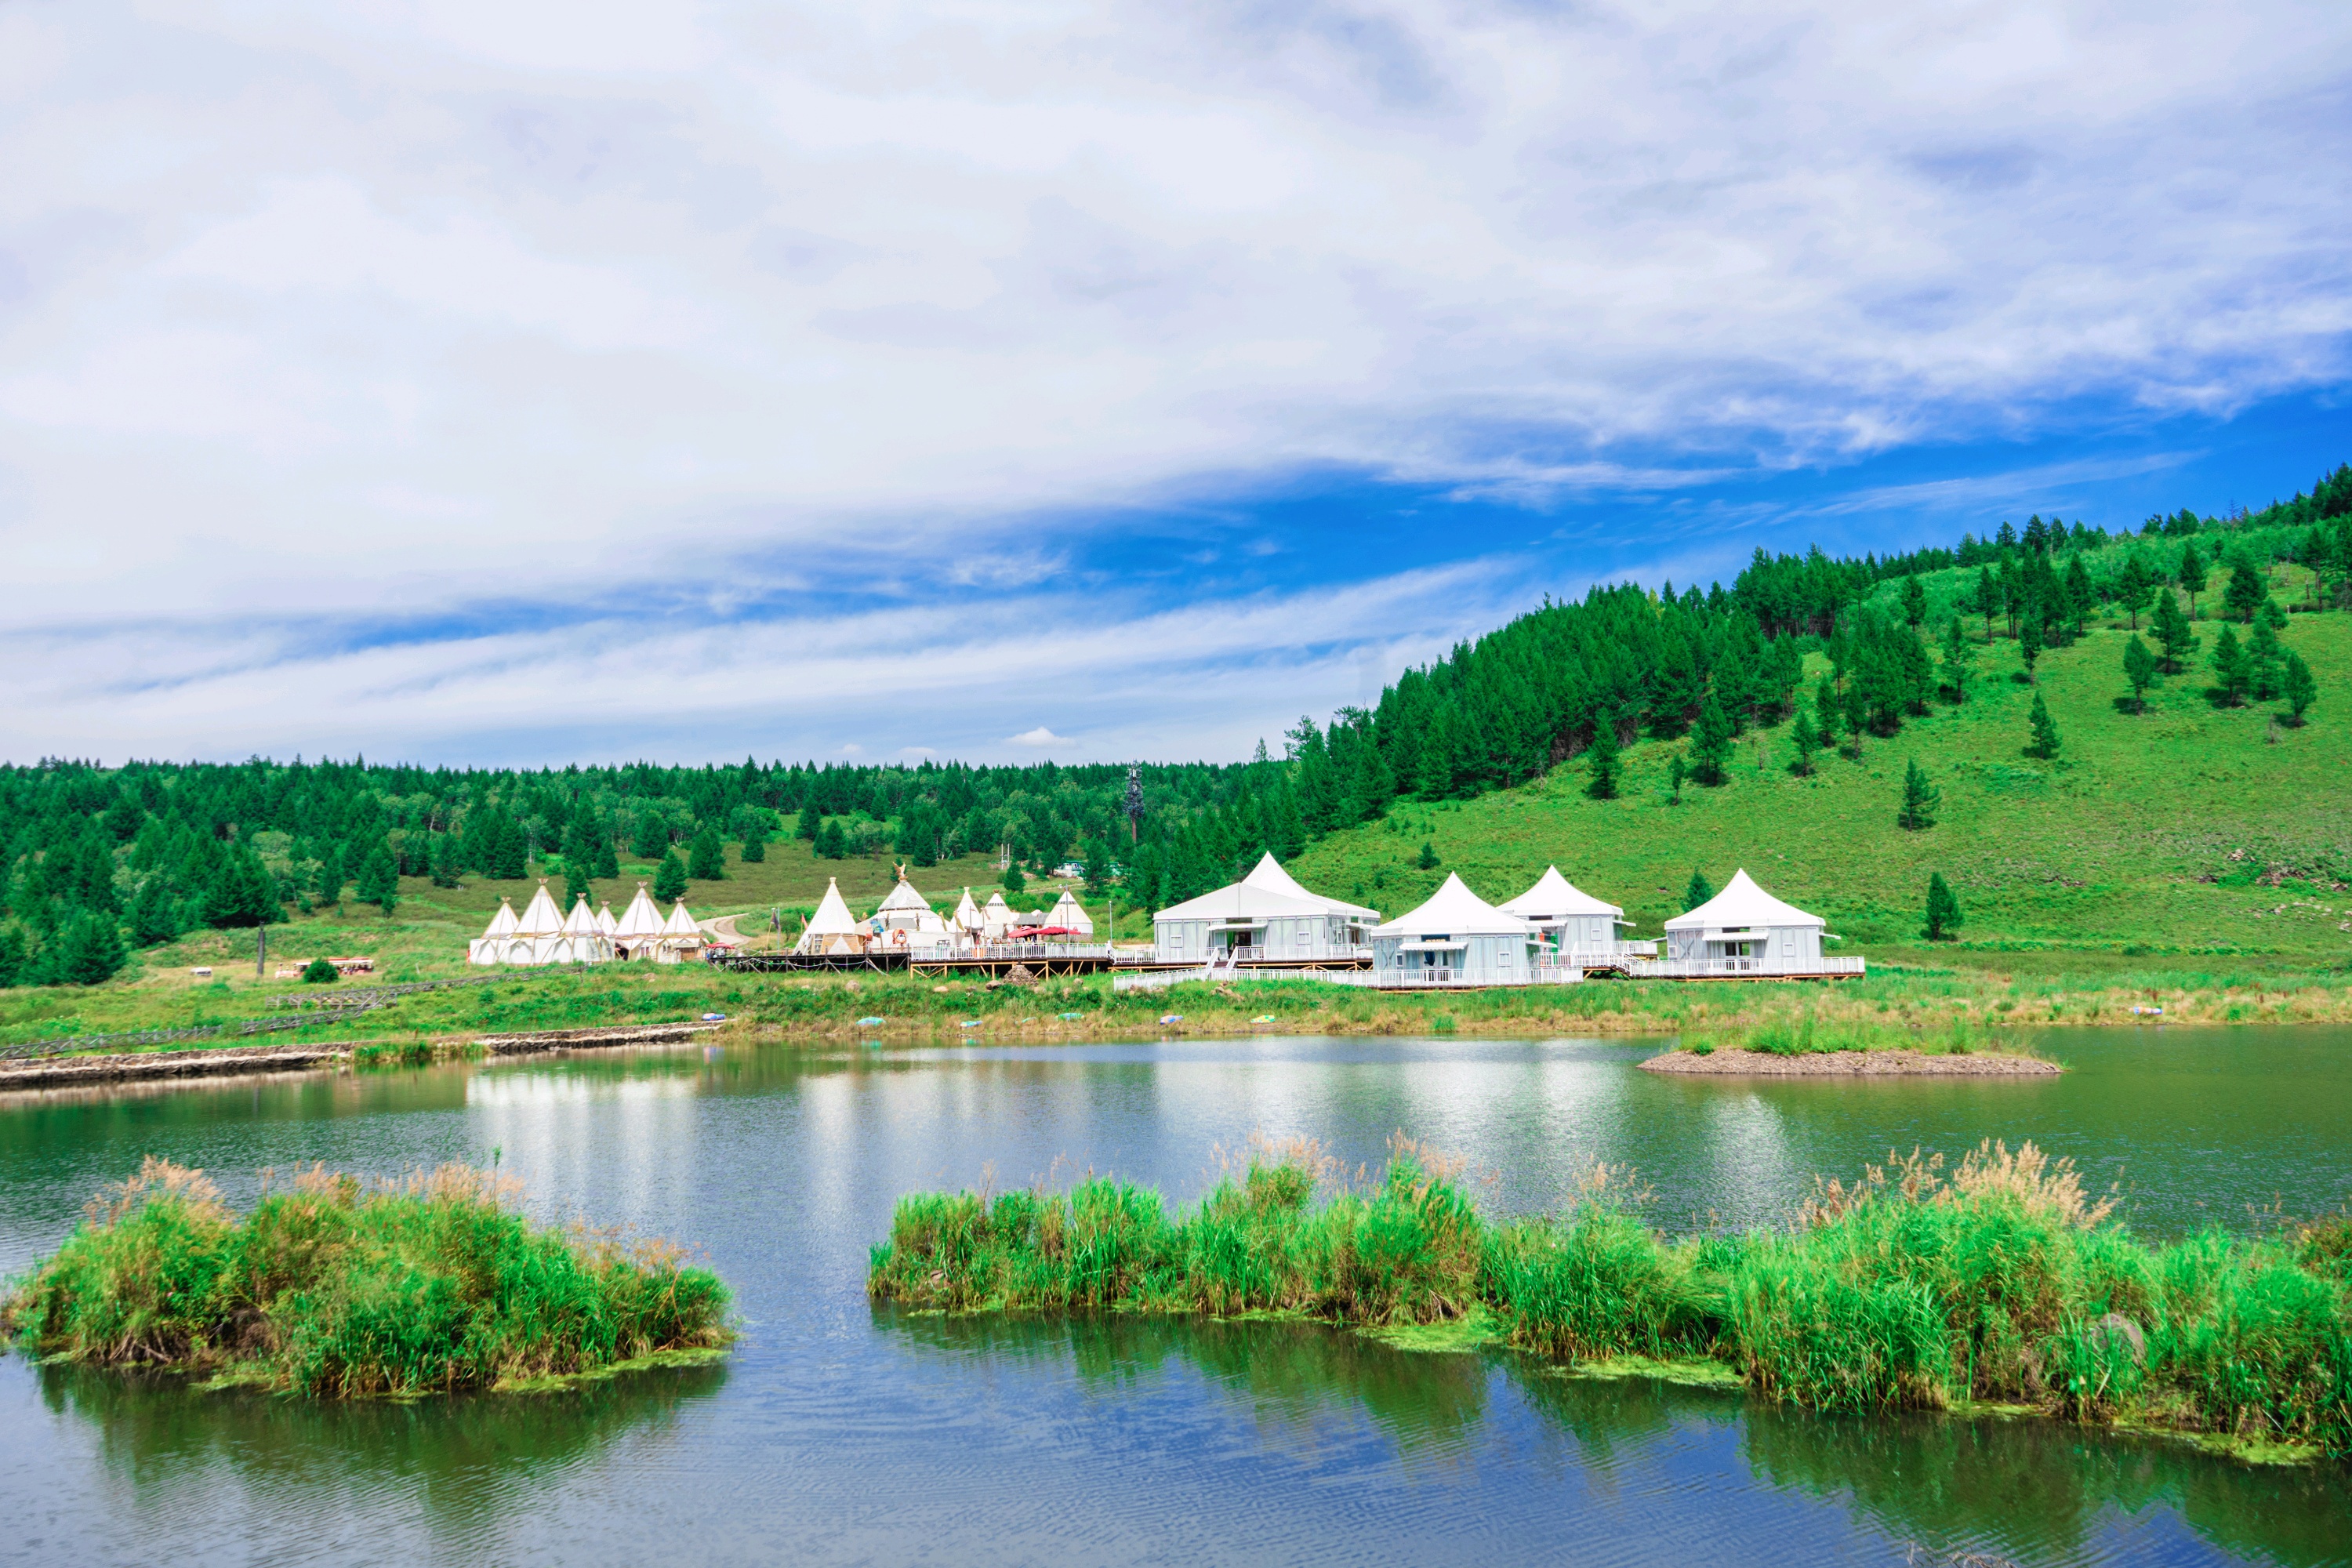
<point>378,882</point>
<point>669,878</point>
<point>1013,881</point>
<point>2139,669</point>
<point>2233,674</point>
<point>1698,891</point>
<point>1943,909</point>
<point>1676,774</point>
<point>2029,638</point>
<point>1601,781</point>
<point>1427,858</point>
<point>1920,799</point>
<point>2171,629</point>
<point>755,847</point>
<point>2265,660</point>
<point>2299,690</point>
<point>707,857</point>
<point>1710,743</point>
<point>2192,575</point>
<point>2245,591</point>
<point>1915,600</point>
<point>832,842</point>
<point>2044,743</point>
<point>1806,739</point>
<point>576,885</point>
<point>2137,589</point>
<point>1959,656</point>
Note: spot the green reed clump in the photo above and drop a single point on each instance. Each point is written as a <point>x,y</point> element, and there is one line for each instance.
<point>2001,1279</point>
<point>335,1287</point>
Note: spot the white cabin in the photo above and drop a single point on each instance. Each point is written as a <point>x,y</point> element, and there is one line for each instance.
<point>1456,937</point>
<point>1744,930</point>
<point>1264,916</point>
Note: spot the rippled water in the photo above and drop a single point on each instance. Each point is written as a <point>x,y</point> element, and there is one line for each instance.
<point>838,1434</point>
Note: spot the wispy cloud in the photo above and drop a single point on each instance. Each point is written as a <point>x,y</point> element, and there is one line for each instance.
<point>588,372</point>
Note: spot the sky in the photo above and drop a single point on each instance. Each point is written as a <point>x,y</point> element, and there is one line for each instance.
<point>520,383</point>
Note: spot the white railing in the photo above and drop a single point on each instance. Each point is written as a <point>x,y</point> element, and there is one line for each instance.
<point>1606,957</point>
<point>1741,968</point>
<point>1368,979</point>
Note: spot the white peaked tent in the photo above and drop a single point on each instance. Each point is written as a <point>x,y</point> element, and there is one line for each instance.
<point>967,914</point>
<point>903,909</point>
<point>1455,935</point>
<point>1070,915</point>
<point>490,947</point>
<point>1747,929</point>
<point>997,919</point>
<point>605,923</point>
<point>638,933</point>
<point>833,929</point>
<point>1571,920</point>
<point>583,941</point>
<point>680,938</point>
<point>1266,915</point>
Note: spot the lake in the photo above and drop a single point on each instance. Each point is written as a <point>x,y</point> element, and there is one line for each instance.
<point>840,1433</point>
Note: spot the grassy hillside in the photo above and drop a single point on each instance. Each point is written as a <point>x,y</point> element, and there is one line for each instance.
<point>2186,830</point>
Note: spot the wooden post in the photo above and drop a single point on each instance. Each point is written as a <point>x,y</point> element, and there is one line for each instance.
<point>260,950</point>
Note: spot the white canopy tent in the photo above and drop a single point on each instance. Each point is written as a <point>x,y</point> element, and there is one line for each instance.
<point>997,918</point>
<point>1457,935</point>
<point>967,914</point>
<point>1745,928</point>
<point>1266,915</point>
<point>903,909</point>
<point>490,946</point>
<point>680,938</point>
<point>1572,920</point>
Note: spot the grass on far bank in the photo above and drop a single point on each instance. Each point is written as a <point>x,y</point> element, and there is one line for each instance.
<point>332,1287</point>
<point>2001,1281</point>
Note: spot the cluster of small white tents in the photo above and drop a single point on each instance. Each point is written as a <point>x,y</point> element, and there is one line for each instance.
<point>541,936</point>
<point>906,922</point>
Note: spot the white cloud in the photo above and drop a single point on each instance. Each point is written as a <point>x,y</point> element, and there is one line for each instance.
<point>1040,736</point>
<point>320,314</point>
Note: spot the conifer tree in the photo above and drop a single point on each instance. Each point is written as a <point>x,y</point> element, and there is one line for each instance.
<point>154,914</point>
<point>1697,892</point>
<point>91,950</point>
<point>832,844</point>
<point>2139,669</point>
<point>755,847</point>
<point>1710,743</point>
<point>510,859</point>
<point>1829,711</point>
<point>328,888</point>
<point>2232,676</point>
<point>1675,773</point>
<point>1915,600</point>
<point>1988,598</point>
<point>2266,661</point>
<point>2192,575</point>
<point>378,882</point>
<point>2044,743</point>
<point>444,859</point>
<point>810,819</point>
<point>1920,799</point>
<point>1806,739</point>
<point>2297,687</point>
<point>576,885</point>
<point>709,856</point>
<point>608,853</point>
<point>1943,909</point>
<point>2170,628</point>
<point>669,877</point>
<point>652,836</point>
<point>13,956</point>
<point>2082,597</point>
<point>1601,767</point>
<point>2029,638</point>
<point>2245,591</point>
<point>1013,883</point>
<point>1959,656</point>
<point>2137,589</point>
<point>1427,860</point>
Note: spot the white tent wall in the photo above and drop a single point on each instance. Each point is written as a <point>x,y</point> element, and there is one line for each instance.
<point>1458,937</point>
<point>1264,916</point>
<point>1746,930</point>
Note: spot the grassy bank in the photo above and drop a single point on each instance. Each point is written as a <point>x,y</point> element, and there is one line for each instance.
<point>333,1287</point>
<point>1919,1005</point>
<point>1997,1282</point>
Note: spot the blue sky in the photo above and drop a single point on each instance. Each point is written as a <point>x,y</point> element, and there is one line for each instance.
<point>533,384</point>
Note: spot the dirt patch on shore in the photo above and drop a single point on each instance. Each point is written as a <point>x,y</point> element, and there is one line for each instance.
<point>1736,1063</point>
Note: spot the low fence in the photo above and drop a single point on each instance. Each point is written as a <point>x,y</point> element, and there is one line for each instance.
<point>1743,968</point>
<point>1366,979</point>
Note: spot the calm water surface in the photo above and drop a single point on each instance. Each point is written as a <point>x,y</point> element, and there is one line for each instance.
<point>838,1434</point>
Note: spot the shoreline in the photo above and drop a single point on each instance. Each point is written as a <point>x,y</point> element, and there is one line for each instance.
<point>1893,1062</point>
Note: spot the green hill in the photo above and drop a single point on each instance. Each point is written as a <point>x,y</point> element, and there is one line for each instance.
<point>2188,828</point>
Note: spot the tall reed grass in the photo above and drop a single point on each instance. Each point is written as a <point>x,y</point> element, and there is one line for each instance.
<point>1998,1279</point>
<point>335,1287</point>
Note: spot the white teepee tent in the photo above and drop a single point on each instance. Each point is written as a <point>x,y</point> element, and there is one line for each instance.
<point>967,913</point>
<point>680,938</point>
<point>640,928</point>
<point>1070,915</point>
<point>833,929</point>
<point>997,918</point>
<point>490,947</point>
